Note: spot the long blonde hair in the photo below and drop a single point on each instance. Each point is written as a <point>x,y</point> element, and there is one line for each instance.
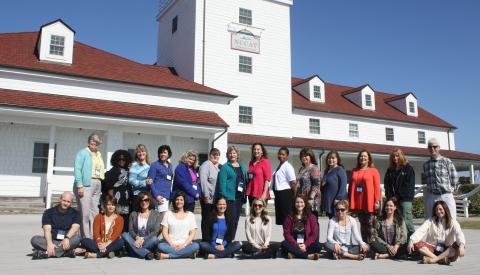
<point>142,148</point>
<point>188,154</point>
<point>263,215</point>
<point>402,160</point>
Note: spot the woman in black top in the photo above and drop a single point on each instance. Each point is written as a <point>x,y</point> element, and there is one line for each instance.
<point>399,182</point>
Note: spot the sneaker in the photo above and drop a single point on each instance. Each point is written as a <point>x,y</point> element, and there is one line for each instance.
<point>111,255</point>
<point>69,253</point>
<point>149,256</point>
<point>39,255</point>
<point>193,256</point>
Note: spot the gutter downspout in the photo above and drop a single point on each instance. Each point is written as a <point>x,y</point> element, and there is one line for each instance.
<point>215,139</point>
<point>203,43</point>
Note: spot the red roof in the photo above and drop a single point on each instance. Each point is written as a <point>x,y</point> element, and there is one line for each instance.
<point>19,50</point>
<point>336,102</point>
<point>399,97</point>
<point>13,98</point>
<point>296,142</point>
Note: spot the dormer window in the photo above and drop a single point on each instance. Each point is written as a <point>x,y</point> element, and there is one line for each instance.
<point>368,100</point>
<point>317,92</point>
<point>411,107</point>
<point>57,45</point>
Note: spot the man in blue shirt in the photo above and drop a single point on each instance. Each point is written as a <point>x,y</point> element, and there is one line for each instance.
<point>60,224</point>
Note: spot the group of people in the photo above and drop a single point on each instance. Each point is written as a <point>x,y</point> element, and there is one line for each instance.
<point>136,198</point>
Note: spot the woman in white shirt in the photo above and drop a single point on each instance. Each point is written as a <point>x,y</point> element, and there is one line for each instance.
<point>178,231</point>
<point>343,237</point>
<point>284,186</point>
<point>440,238</point>
<point>258,228</point>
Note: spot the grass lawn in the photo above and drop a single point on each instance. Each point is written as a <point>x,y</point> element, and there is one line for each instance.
<point>472,223</point>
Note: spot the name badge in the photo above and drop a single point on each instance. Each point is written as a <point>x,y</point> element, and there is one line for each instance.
<point>219,239</point>
<point>169,177</point>
<point>440,248</point>
<point>97,172</point>
<point>195,186</point>
<point>250,175</point>
<point>197,175</point>
<point>240,187</point>
<point>60,235</point>
<point>300,238</point>
<point>360,188</point>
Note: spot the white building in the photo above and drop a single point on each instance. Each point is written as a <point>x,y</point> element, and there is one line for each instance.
<point>223,76</point>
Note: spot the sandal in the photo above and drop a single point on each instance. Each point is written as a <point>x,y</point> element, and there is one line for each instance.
<point>427,260</point>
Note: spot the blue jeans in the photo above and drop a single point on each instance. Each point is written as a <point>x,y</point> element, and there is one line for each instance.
<point>185,252</point>
<point>406,208</point>
<point>91,246</point>
<point>232,247</point>
<point>148,245</point>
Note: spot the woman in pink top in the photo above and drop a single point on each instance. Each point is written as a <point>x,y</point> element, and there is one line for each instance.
<point>259,174</point>
<point>364,191</point>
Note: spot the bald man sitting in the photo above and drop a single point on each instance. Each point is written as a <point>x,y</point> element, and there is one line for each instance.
<point>60,231</point>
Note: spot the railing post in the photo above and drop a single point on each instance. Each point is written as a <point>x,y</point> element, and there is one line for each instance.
<point>51,158</point>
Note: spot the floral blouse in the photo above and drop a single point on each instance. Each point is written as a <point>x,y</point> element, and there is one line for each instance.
<point>308,181</point>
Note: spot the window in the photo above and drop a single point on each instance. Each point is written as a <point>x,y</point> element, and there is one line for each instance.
<point>245,64</point>
<point>353,130</point>
<point>245,16</point>
<point>174,24</point>
<point>411,107</point>
<point>421,137</point>
<point>389,134</point>
<point>57,44</point>
<point>316,92</point>
<point>368,100</point>
<point>314,126</point>
<point>245,115</point>
<point>40,157</point>
<point>202,157</point>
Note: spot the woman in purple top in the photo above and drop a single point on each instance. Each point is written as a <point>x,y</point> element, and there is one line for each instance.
<point>300,231</point>
<point>160,176</point>
<point>186,179</point>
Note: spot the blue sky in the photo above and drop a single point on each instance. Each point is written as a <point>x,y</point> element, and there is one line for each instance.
<point>428,47</point>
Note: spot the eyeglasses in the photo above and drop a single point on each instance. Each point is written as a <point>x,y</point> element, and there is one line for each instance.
<point>258,205</point>
<point>433,146</point>
<point>145,200</point>
<point>340,209</point>
<point>121,160</point>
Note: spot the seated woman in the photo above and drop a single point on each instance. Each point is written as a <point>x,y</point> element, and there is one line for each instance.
<point>143,229</point>
<point>219,243</point>
<point>390,235</point>
<point>107,230</point>
<point>440,238</point>
<point>258,228</point>
<point>300,231</point>
<point>342,230</point>
<point>178,230</point>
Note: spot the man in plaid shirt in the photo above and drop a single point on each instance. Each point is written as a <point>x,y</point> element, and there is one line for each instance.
<point>441,179</point>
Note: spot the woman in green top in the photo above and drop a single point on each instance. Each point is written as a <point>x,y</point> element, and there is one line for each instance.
<point>232,184</point>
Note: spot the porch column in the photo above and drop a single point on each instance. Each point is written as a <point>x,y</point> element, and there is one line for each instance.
<point>50,161</point>
<point>221,144</point>
<point>114,142</point>
<point>472,174</point>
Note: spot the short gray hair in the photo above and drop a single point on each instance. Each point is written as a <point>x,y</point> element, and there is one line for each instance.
<point>433,141</point>
<point>94,137</point>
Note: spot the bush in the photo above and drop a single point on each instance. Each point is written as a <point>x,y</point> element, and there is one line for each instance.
<point>474,206</point>
<point>418,208</point>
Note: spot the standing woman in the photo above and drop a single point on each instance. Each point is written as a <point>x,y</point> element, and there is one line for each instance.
<point>300,231</point>
<point>259,174</point>
<point>186,179</point>
<point>399,182</point>
<point>116,185</point>
<point>138,173</point>
<point>143,229</point>
<point>343,237</point>
<point>284,186</point>
<point>89,170</point>
<point>365,196</point>
<point>208,180</point>
<point>232,185</point>
<point>440,238</point>
<point>390,235</point>
<point>258,228</point>
<point>308,179</point>
<point>219,241</point>
<point>107,230</point>
<point>178,230</point>
<point>161,174</point>
<point>334,183</point>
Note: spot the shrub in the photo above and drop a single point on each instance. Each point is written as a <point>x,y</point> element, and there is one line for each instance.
<point>418,208</point>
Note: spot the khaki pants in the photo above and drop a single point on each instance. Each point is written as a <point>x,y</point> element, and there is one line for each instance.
<point>88,207</point>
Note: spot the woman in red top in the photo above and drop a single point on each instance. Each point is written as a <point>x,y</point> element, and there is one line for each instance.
<point>364,191</point>
<point>259,174</point>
